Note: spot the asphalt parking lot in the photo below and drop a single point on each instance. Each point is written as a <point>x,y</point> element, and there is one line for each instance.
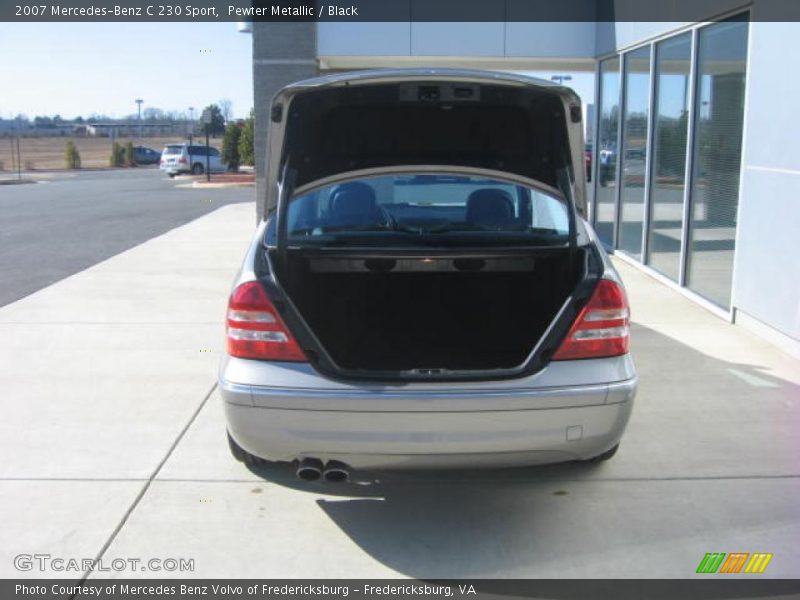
<point>73,220</point>
<point>113,446</point>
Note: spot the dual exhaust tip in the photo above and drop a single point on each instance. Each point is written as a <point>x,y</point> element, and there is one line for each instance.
<point>312,469</point>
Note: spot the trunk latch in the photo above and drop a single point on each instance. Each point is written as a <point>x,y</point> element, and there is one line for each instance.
<point>428,371</point>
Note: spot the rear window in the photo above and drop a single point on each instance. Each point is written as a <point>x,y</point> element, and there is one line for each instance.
<point>173,150</point>
<point>203,151</point>
<point>416,207</point>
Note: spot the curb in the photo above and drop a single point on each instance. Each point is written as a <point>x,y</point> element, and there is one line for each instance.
<point>17,181</point>
<point>216,185</point>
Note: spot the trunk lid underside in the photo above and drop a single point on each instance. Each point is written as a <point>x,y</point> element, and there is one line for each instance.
<point>521,130</point>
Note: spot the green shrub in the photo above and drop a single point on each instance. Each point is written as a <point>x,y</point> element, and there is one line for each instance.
<point>72,156</point>
<point>117,155</point>
<point>230,146</point>
<point>247,142</point>
<point>130,156</point>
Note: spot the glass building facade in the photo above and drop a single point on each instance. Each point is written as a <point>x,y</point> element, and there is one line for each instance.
<point>669,149</point>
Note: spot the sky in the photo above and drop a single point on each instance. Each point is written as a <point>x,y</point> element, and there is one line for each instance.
<point>76,69</point>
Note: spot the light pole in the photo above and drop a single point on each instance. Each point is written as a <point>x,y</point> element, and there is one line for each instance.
<point>191,123</point>
<point>139,104</point>
<point>560,79</point>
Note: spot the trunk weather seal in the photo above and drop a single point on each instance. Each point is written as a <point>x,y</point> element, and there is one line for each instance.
<point>430,169</point>
<point>286,186</point>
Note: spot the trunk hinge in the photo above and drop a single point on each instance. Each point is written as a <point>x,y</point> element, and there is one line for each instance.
<point>565,185</point>
<point>285,188</point>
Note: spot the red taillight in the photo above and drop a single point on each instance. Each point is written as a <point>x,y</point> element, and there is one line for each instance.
<point>601,329</point>
<point>183,160</point>
<point>255,330</point>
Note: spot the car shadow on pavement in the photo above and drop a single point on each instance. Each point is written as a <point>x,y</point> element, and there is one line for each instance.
<point>699,433</point>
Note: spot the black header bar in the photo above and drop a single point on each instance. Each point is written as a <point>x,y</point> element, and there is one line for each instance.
<point>708,587</point>
<point>394,10</point>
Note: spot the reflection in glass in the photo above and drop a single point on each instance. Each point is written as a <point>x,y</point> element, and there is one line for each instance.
<point>634,150</point>
<point>719,106</point>
<point>668,171</point>
<point>606,155</point>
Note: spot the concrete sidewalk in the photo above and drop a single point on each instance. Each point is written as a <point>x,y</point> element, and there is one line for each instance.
<point>114,444</point>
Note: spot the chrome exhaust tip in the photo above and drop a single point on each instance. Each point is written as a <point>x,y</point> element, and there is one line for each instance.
<point>309,469</point>
<point>336,472</point>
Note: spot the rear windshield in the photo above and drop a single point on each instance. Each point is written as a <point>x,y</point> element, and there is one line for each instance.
<point>173,150</point>
<point>203,151</point>
<point>410,207</point>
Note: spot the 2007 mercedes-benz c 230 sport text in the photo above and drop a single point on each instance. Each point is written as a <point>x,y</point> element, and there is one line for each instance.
<point>425,291</point>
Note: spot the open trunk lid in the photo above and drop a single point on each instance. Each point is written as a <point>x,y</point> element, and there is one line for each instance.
<point>519,125</point>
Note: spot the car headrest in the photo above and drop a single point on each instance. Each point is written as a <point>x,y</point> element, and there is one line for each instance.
<point>354,199</point>
<point>490,206</point>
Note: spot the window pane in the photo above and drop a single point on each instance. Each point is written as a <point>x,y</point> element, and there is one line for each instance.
<point>634,149</point>
<point>668,171</point>
<point>606,155</point>
<point>719,106</point>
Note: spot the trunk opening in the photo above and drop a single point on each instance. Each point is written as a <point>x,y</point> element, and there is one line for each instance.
<point>414,314</point>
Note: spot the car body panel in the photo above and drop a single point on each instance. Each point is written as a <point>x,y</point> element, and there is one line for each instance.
<point>418,439</point>
<point>299,386</point>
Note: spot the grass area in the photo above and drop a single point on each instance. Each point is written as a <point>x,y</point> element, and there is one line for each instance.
<point>45,153</point>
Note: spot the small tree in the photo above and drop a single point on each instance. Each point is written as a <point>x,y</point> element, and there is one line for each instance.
<point>72,156</point>
<point>230,146</point>
<point>117,157</point>
<point>217,124</point>
<point>130,155</point>
<point>247,142</point>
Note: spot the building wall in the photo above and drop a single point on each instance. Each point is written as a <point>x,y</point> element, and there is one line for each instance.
<point>767,272</point>
<point>473,40</point>
<point>282,53</point>
<point>613,37</point>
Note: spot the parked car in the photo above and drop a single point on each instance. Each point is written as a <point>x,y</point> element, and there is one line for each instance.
<point>607,165</point>
<point>146,156</point>
<point>189,158</point>
<point>425,291</point>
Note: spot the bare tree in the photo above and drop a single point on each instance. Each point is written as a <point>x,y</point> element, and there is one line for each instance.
<point>226,108</point>
<point>152,113</point>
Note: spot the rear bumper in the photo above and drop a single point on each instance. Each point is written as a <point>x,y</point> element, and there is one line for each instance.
<point>444,426</point>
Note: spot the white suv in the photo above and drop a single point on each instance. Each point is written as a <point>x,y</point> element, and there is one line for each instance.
<point>186,158</point>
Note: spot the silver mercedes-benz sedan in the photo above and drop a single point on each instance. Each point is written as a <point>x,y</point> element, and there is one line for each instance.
<point>425,291</point>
